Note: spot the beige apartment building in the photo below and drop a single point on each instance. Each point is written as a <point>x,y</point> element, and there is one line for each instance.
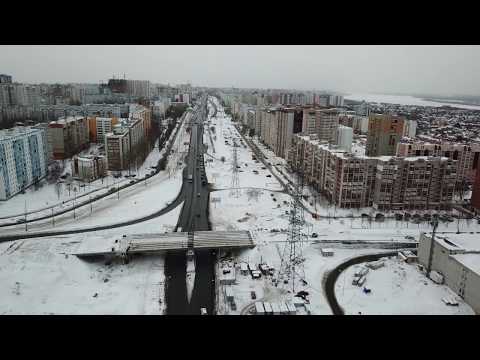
<point>384,133</point>
<point>465,155</point>
<point>277,129</point>
<point>414,183</point>
<point>68,136</point>
<point>117,148</point>
<point>385,182</point>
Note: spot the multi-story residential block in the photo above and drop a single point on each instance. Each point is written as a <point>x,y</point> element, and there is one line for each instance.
<point>5,79</point>
<point>384,132</point>
<point>386,182</point>
<point>141,112</point>
<point>89,167</point>
<point>465,155</point>
<point>309,121</point>
<point>117,148</point>
<point>138,88</point>
<point>68,136</point>
<point>476,191</point>
<point>99,127</point>
<point>48,141</point>
<point>410,128</point>
<point>23,159</point>
<point>414,183</point>
<point>344,138</point>
<point>326,123</point>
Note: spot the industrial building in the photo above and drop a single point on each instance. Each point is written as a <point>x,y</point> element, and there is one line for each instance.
<point>456,257</point>
<point>23,159</point>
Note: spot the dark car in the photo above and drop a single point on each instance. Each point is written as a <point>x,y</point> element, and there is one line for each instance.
<point>314,235</point>
<point>269,176</point>
<point>253,295</point>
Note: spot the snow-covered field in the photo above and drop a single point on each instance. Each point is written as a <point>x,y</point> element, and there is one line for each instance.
<point>41,276</point>
<point>397,288</point>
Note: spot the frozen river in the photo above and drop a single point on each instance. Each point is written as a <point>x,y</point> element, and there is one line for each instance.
<point>404,100</point>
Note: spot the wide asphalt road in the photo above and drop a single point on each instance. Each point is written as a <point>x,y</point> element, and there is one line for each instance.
<point>193,217</point>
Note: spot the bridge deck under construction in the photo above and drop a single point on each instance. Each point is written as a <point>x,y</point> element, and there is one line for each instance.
<point>159,243</point>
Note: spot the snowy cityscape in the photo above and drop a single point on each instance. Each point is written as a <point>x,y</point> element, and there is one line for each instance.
<point>132,197</point>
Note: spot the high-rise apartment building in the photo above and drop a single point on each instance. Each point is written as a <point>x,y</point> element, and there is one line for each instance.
<point>5,79</point>
<point>344,138</point>
<point>476,191</point>
<point>68,136</point>
<point>384,132</point>
<point>117,148</point>
<point>326,124</point>
<point>23,159</point>
<point>385,182</point>
<point>99,127</point>
<point>465,155</point>
<point>414,183</point>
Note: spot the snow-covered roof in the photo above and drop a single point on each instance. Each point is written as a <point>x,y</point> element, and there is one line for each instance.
<point>467,242</point>
<point>470,261</point>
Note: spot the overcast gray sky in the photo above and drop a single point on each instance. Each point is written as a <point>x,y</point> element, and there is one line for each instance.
<point>359,68</point>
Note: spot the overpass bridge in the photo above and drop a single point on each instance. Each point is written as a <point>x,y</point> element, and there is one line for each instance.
<point>151,244</point>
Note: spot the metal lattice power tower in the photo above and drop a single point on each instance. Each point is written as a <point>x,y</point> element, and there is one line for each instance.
<point>292,260</point>
<point>235,191</point>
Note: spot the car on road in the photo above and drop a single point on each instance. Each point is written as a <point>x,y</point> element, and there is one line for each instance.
<point>253,295</point>
<point>20,221</point>
<point>314,235</point>
<point>198,194</point>
<point>269,176</point>
<point>203,311</point>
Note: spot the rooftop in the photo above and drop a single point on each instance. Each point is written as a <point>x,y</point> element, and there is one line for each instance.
<point>6,134</point>
<point>467,242</point>
<point>470,261</point>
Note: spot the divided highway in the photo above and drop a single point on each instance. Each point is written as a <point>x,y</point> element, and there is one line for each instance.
<point>193,217</point>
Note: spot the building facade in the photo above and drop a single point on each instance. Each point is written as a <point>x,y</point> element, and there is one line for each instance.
<point>465,155</point>
<point>414,183</point>
<point>90,167</point>
<point>385,182</point>
<point>117,149</point>
<point>476,191</point>
<point>457,259</point>
<point>23,159</point>
<point>384,133</point>
<point>344,138</point>
<point>68,136</point>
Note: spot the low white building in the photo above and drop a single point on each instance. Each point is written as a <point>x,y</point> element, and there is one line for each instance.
<point>457,258</point>
<point>89,167</point>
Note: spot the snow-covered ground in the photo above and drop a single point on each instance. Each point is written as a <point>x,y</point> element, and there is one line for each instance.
<point>397,288</point>
<point>40,276</point>
<point>137,201</point>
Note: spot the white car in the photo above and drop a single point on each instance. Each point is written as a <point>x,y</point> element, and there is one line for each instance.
<point>203,311</point>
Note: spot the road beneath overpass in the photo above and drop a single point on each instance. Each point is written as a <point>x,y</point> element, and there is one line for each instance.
<point>193,217</point>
